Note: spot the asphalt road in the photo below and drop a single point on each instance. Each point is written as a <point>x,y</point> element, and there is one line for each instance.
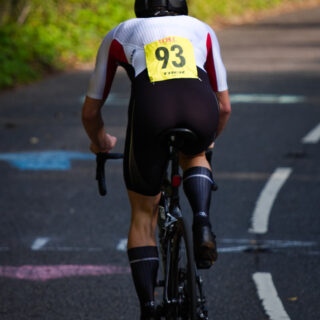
<point>62,246</point>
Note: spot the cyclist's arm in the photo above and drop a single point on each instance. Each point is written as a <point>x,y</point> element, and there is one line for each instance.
<point>218,78</point>
<point>108,56</point>
<point>94,126</point>
<point>214,64</point>
<point>225,109</point>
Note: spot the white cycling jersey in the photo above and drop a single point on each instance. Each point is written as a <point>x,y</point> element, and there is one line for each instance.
<point>125,45</point>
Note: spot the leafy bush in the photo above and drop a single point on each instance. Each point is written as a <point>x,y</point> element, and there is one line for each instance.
<point>54,35</point>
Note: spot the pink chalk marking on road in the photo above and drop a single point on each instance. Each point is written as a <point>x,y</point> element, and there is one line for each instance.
<point>44,273</point>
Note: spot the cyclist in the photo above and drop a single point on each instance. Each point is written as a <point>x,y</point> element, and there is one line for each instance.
<point>178,80</point>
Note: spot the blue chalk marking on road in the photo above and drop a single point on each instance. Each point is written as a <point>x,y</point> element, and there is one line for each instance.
<point>44,160</point>
<point>266,98</point>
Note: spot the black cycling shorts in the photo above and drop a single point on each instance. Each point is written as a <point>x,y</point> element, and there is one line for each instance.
<point>156,107</point>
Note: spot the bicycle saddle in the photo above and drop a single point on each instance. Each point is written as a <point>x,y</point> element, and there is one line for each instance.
<point>179,137</point>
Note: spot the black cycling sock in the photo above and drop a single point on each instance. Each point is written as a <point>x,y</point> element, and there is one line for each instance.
<point>144,263</point>
<point>197,185</point>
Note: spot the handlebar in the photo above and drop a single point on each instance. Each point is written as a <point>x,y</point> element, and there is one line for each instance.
<point>101,159</point>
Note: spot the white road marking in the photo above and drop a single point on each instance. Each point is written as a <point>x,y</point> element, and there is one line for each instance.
<point>39,243</point>
<point>269,296</point>
<point>232,249</point>
<point>240,245</point>
<point>123,99</point>
<point>260,218</point>
<point>271,243</point>
<point>122,245</point>
<point>266,98</point>
<point>289,244</point>
<point>113,99</point>
<point>313,136</point>
<point>118,99</point>
<point>232,246</point>
<point>72,249</point>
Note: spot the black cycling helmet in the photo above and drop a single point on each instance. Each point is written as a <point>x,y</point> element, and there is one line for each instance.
<point>147,8</point>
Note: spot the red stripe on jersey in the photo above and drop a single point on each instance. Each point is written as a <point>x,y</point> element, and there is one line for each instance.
<point>116,55</point>
<point>209,65</point>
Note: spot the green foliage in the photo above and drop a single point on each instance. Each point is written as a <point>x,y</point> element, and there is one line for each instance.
<point>37,36</point>
<point>53,35</point>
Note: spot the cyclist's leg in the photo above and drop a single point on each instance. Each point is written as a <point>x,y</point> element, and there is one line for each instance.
<point>197,183</point>
<point>144,211</point>
<point>201,115</point>
<point>142,249</point>
<point>188,161</point>
<point>145,163</point>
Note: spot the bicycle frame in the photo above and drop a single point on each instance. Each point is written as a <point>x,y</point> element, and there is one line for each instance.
<point>170,222</point>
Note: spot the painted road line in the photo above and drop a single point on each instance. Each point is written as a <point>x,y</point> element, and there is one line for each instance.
<point>72,249</point>
<point>270,243</point>
<point>266,98</point>
<point>115,99</point>
<point>239,245</point>
<point>261,214</point>
<point>44,273</point>
<point>313,136</point>
<point>122,244</point>
<point>39,243</point>
<point>259,176</point>
<point>232,249</point>
<point>235,245</point>
<point>121,99</point>
<point>283,244</point>
<point>225,245</point>
<point>45,160</point>
<point>269,296</point>
<point>243,245</point>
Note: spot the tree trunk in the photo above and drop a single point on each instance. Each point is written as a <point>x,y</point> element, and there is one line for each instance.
<point>24,13</point>
<point>5,6</point>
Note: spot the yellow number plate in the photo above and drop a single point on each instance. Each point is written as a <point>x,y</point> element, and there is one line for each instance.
<point>170,58</point>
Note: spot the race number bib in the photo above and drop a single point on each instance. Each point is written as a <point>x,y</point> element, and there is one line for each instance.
<point>170,58</point>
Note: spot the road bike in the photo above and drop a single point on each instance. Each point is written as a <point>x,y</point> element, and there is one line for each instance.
<point>183,296</point>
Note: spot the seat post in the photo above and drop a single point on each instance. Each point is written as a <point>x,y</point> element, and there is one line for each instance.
<point>175,139</point>
<point>174,173</point>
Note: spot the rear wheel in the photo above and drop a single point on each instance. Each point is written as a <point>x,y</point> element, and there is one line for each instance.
<point>182,275</point>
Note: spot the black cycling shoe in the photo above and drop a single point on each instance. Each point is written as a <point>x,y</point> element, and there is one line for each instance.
<point>148,312</point>
<point>204,244</point>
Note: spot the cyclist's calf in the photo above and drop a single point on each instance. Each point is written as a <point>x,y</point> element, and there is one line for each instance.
<point>143,220</point>
<point>188,161</point>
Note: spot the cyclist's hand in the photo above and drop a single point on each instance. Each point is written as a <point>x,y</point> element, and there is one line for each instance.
<point>107,142</point>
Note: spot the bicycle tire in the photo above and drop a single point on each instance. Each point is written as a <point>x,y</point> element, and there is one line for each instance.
<point>182,274</point>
